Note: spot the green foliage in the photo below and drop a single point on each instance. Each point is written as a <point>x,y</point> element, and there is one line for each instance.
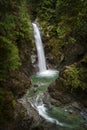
<point>44,9</point>
<point>24,25</point>
<point>14,103</point>
<point>15,38</point>
<point>9,59</point>
<point>71,17</point>
<point>14,31</point>
<point>76,78</point>
<point>73,77</point>
<point>67,18</point>
<point>68,7</point>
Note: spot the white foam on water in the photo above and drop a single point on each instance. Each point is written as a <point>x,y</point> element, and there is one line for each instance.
<point>42,110</point>
<point>47,73</point>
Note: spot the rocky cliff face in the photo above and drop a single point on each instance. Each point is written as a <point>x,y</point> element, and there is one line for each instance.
<point>15,61</point>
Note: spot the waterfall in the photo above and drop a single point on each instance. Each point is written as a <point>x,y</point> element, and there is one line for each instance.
<point>40,50</point>
<point>41,56</point>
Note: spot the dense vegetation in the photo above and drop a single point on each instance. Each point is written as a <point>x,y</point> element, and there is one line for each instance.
<point>14,27</point>
<point>64,25</point>
<point>15,34</point>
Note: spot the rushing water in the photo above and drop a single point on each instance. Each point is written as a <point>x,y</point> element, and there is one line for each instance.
<point>42,110</point>
<point>40,50</point>
<point>41,56</point>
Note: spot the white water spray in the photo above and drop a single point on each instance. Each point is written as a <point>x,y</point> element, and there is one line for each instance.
<point>41,56</point>
<point>42,110</point>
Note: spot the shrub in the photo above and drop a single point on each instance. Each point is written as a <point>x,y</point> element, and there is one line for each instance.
<point>76,78</point>
<point>9,59</point>
<point>73,77</point>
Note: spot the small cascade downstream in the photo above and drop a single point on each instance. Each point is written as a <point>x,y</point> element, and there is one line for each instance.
<point>42,110</point>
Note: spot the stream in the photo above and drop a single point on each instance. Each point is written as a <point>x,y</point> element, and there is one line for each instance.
<point>60,117</point>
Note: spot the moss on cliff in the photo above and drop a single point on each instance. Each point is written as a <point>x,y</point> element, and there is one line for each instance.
<point>75,77</point>
<point>14,30</point>
<point>15,48</point>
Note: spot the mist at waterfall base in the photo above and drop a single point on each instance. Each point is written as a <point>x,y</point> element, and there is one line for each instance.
<point>41,56</point>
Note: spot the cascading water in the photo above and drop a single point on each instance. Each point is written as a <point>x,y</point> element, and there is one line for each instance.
<point>42,110</point>
<point>40,50</point>
<point>41,56</point>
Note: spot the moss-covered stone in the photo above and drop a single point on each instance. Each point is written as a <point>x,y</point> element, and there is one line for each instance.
<point>75,77</point>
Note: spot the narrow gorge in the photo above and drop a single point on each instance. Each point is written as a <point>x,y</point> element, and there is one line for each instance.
<point>43,65</point>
